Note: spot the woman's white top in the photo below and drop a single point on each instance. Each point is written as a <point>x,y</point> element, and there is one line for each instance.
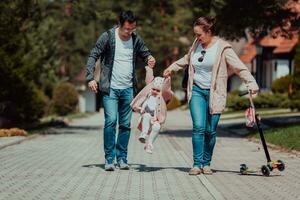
<point>203,70</point>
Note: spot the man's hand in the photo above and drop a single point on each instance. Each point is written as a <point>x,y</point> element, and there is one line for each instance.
<point>93,86</point>
<point>151,61</point>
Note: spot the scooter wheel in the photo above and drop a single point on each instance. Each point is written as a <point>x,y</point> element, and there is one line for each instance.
<point>243,169</point>
<point>280,165</point>
<point>265,170</point>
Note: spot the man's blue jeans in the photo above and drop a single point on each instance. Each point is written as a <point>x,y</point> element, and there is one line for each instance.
<point>117,109</point>
<point>204,127</point>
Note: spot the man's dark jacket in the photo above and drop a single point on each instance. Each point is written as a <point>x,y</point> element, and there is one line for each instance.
<point>105,49</point>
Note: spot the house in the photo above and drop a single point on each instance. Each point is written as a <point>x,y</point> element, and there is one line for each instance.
<point>271,57</point>
<point>268,59</point>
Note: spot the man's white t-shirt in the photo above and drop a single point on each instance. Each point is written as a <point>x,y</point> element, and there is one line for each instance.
<point>122,68</point>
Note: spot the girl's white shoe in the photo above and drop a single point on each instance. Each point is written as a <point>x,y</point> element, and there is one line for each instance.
<point>148,148</point>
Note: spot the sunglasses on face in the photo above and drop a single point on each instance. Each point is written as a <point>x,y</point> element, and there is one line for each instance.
<point>200,59</point>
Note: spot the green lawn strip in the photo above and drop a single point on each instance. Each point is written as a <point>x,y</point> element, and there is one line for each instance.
<point>263,113</point>
<point>287,137</point>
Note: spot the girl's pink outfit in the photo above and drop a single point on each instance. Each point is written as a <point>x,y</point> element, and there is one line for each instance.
<point>152,108</point>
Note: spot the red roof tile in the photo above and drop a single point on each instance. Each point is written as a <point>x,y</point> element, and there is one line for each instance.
<point>249,53</point>
<point>269,41</point>
<point>286,45</point>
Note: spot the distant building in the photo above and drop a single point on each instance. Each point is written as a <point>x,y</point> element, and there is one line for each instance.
<point>269,59</point>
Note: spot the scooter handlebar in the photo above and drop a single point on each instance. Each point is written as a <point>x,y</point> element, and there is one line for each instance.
<point>243,93</point>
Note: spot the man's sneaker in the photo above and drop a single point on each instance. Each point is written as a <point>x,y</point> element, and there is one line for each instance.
<point>123,165</point>
<point>207,170</point>
<point>109,167</point>
<point>195,171</point>
<point>148,148</point>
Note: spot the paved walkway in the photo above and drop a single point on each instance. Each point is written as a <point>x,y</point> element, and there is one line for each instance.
<point>68,164</point>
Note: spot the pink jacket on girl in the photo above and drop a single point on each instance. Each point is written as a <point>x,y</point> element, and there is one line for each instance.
<point>164,96</point>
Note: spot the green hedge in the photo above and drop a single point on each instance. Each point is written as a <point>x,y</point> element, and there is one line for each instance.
<point>65,99</point>
<point>265,100</point>
<point>281,85</point>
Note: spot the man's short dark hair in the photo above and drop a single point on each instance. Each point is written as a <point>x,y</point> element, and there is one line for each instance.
<point>127,16</point>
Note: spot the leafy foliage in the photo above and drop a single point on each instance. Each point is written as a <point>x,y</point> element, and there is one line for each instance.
<point>45,42</point>
<point>65,99</point>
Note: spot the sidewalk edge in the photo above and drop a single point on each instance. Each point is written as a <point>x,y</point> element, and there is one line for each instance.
<point>19,141</point>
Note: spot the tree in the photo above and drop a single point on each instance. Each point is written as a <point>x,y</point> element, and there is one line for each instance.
<point>20,99</point>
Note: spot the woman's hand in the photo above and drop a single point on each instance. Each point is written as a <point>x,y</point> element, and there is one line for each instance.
<point>253,92</point>
<point>167,72</point>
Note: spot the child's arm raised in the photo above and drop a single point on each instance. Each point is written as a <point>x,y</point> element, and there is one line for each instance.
<point>149,75</point>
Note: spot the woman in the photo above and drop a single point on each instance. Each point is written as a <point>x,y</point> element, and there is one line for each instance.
<point>210,60</point>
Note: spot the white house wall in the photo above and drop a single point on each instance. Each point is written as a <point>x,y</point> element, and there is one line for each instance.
<point>282,68</point>
<point>90,101</point>
<point>82,103</point>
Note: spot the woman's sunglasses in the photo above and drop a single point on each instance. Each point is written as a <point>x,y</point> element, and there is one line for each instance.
<point>202,56</point>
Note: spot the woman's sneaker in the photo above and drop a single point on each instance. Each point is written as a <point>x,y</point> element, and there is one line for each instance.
<point>195,171</point>
<point>207,170</point>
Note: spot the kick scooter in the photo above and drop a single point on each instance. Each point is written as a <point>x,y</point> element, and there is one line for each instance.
<point>271,164</point>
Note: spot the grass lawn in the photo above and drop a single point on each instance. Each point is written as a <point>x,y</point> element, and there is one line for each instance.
<point>287,137</point>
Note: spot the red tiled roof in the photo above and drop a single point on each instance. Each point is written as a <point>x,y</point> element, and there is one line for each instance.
<point>286,45</point>
<point>249,53</point>
<point>269,41</point>
<point>281,44</point>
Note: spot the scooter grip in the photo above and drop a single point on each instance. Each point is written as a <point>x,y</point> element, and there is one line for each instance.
<point>242,93</point>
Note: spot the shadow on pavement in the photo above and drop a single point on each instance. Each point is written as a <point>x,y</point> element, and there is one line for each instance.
<point>68,130</point>
<point>221,132</point>
<point>142,167</point>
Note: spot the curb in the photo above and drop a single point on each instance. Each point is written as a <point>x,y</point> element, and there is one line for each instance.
<point>18,141</point>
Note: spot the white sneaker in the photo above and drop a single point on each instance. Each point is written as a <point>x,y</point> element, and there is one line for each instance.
<point>149,148</point>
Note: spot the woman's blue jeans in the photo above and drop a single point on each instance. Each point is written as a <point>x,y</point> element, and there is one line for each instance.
<point>117,109</point>
<point>204,127</point>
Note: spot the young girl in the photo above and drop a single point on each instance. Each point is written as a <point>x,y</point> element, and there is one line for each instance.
<point>151,104</point>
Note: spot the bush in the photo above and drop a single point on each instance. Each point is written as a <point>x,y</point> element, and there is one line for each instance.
<point>292,104</point>
<point>235,102</point>
<point>21,105</point>
<point>269,100</point>
<point>12,132</point>
<point>65,99</point>
<point>281,85</point>
<point>265,100</point>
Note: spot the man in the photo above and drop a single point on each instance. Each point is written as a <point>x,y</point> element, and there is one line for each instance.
<point>118,49</point>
